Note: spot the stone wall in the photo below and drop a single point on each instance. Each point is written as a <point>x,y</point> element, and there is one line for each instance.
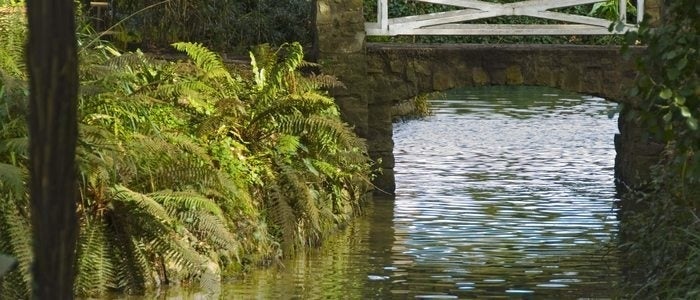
<point>340,49</point>
<point>403,71</point>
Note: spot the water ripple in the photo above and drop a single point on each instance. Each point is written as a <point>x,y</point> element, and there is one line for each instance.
<point>516,184</point>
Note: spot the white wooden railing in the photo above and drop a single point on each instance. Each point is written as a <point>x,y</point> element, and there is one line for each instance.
<point>450,22</point>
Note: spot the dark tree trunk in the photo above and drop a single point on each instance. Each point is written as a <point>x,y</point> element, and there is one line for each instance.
<point>53,78</point>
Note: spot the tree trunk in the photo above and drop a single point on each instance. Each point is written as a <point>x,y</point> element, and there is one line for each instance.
<point>53,78</point>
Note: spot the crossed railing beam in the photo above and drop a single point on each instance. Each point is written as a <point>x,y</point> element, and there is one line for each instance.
<point>448,22</point>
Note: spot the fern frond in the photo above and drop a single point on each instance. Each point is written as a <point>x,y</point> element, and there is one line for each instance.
<point>179,201</point>
<point>95,272</point>
<point>320,81</point>
<point>273,72</point>
<point>143,202</point>
<point>131,265</point>
<point>19,145</point>
<point>282,215</point>
<point>13,33</point>
<point>209,62</point>
<point>304,202</point>
<point>126,60</point>
<point>188,145</point>
<point>307,103</point>
<point>326,131</point>
<point>12,179</point>
<point>212,229</point>
<point>16,240</point>
<point>153,233</point>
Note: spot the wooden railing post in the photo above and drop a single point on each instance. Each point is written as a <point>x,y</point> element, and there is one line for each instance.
<point>640,11</point>
<point>623,11</point>
<point>383,14</point>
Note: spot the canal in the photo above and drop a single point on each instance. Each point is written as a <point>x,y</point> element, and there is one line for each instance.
<point>504,193</point>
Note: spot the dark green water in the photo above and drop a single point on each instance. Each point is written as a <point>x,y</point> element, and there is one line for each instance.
<point>505,193</point>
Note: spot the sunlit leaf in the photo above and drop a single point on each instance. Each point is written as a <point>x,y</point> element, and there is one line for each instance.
<point>685,112</point>
<point>679,100</point>
<point>666,94</point>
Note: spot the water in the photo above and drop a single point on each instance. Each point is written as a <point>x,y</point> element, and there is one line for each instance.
<point>505,193</point>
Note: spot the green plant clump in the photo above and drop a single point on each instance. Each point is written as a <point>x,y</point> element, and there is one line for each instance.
<point>186,170</point>
<point>662,236</point>
<point>414,108</point>
<point>223,25</point>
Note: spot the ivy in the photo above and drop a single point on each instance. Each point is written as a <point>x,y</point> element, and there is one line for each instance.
<point>668,82</point>
<point>661,236</point>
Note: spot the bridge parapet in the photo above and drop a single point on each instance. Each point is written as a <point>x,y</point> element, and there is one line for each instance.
<point>402,71</point>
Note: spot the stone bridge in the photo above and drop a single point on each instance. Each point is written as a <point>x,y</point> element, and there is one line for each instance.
<point>378,76</point>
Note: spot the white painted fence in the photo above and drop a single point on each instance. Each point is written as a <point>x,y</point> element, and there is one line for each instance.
<point>450,22</point>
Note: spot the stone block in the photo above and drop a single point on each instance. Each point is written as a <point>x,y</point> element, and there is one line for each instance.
<point>571,80</point>
<point>443,81</point>
<point>397,64</point>
<point>480,77</point>
<point>636,150</point>
<point>385,182</point>
<point>354,111</point>
<point>514,75</point>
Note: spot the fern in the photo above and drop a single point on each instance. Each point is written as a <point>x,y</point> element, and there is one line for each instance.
<point>325,131</point>
<point>95,272</point>
<point>12,179</point>
<point>144,204</point>
<point>13,33</point>
<point>209,62</point>
<point>15,239</point>
<point>306,208</point>
<point>283,216</point>
<point>178,201</point>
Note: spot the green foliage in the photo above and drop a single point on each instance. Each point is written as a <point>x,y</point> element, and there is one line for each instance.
<point>292,128</point>
<point>416,107</point>
<point>223,25</point>
<point>181,165</point>
<point>610,9</point>
<point>663,236</point>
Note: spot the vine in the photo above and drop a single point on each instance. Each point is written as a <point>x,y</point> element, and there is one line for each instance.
<point>661,239</point>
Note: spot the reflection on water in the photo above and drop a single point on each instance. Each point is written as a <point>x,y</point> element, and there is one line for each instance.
<point>506,192</point>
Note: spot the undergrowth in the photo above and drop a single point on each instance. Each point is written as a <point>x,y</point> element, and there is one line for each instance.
<point>187,170</point>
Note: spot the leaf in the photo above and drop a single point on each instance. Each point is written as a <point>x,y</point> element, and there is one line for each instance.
<point>310,166</point>
<point>692,123</point>
<point>679,100</point>
<point>685,112</point>
<point>667,117</point>
<point>673,73</point>
<point>666,94</point>
<point>682,63</point>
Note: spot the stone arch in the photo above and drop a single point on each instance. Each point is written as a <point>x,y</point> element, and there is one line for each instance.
<point>399,72</point>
